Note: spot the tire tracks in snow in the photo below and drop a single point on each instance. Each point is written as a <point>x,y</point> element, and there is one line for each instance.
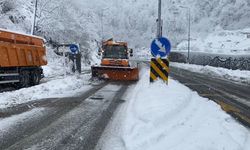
<point>77,128</point>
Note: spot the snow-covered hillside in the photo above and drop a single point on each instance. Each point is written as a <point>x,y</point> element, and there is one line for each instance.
<point>234,42</point>
<point>129,20</point>
<point>16,15</point>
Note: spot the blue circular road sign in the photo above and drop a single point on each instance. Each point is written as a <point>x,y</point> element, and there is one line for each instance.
<point>160,47</point>
<point>74,48</point>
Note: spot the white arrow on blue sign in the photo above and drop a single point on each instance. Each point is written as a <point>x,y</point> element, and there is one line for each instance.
<point>160,47</point>
<point>73,48</point>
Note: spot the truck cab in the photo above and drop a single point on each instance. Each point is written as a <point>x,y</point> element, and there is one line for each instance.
<point>115,54</point>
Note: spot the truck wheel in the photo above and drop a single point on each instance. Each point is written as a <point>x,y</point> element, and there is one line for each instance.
<point>24,79</point>
<point>35,77</point>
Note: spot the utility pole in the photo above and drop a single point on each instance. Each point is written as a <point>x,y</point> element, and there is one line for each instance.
<point>102,22</point>
<point>102,26</point>
<point>34,19</point>
<point>159,21</point>
<point>189,30</point>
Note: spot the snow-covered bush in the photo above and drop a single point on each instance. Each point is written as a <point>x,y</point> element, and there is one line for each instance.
<point>7,6</point>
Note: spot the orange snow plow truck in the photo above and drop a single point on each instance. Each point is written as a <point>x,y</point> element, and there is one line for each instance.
<point>21,58</point>
<point>115,63</point>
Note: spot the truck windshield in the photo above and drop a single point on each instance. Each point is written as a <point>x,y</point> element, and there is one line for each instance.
<point>115,51</point>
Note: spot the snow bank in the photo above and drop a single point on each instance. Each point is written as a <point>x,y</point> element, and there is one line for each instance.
<point>234,42</point>
<point>160,117</point>
<point>54,68</point>
<point>65,87</point>
<point>233,75</point>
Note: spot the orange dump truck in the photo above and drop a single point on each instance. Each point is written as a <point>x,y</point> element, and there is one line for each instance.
<point>21,58</point>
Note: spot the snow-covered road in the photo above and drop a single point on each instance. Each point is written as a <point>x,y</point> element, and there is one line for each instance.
<point>64,123</point>
<point>156,116</point>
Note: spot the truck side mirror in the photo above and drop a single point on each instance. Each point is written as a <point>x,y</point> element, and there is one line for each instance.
<point>131,52</point>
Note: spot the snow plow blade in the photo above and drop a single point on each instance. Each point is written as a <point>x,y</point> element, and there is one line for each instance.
<point>115,73</point>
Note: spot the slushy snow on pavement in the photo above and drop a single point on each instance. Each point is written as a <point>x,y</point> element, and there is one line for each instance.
<point>160,117</point>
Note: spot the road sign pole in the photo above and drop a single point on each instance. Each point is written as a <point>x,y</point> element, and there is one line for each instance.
<point>64,62</point>
<point>189,31</point>
<point>78,53</point>
<point>159,21</point>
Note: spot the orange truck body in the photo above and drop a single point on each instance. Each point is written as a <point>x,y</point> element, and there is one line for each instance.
<point>17,50</point>
<point>21,58</point>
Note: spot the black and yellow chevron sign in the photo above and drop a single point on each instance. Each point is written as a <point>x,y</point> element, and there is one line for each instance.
<point>159,68</point>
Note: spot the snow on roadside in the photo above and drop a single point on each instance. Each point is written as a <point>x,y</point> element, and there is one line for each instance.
<point>69,86</point>
<point>156,116</point>
<point>55,67</point>
<point>233,75</point>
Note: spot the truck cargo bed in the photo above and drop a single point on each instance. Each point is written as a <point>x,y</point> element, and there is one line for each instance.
<point>18,50</point>
<point>21,58</point>
<point>20,55</point>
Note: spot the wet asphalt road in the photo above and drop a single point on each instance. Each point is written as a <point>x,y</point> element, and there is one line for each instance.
<point>235,95</point>
<point>65,123</point>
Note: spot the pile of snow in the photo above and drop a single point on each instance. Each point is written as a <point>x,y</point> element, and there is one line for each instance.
<point>235,42</point>
<point>233,75</point>
<point>157,116</point>
<point>55,67</point>
<point>65,87</point>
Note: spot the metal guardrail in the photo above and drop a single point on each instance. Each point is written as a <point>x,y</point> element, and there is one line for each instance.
<point>224,61</point>
<point>231,63</point>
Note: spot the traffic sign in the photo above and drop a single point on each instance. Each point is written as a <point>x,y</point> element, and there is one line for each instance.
<point>160,47</point>
<point>74,48</point>
<point>159,69</point>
